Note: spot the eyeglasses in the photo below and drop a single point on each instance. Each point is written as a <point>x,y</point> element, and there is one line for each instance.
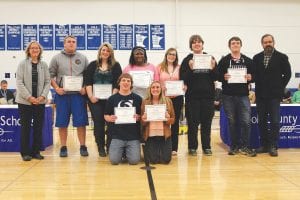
<point>171,54</point>
<point>34,48</point>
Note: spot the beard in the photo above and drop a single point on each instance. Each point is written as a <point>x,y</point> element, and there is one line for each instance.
<point>268,50</point>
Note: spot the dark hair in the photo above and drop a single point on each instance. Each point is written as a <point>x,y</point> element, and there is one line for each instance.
<point>125,75</point>
<point>234,38</point>
<point>194,38</point>
<point>131,59</point>
<point>266,35</point>
<point>3,82</point>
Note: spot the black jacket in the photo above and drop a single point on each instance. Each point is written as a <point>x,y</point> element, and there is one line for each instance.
<point>200,85</point>
<point>271,81</point>
<point>235,89</point>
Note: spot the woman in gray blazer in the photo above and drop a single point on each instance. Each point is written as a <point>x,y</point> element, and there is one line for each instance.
<point>33,83</point>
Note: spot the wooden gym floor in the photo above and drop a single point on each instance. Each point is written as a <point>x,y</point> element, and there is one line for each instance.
<point>216,177</point>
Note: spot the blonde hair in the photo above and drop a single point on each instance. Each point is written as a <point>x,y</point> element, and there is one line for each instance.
<point>164,64</point>
<point>162,98</point>
<point>28,48</point>
<point>111,60</point>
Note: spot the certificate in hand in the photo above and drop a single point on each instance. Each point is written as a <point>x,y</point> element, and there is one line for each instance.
<point>72,83</point>
<point>156,112</point>
<point>125,115</point>
<point>202,61</point>
<point>141,79</point>
<point>174,88</point>
<point>237,75</point>
<point>102,91</point>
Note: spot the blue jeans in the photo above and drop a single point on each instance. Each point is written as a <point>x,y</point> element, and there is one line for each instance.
<point>268,110</point>
<point>238,114</point>
<point>132,149</point>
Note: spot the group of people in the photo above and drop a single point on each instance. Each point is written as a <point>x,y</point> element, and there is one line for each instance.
<point>120,100</point>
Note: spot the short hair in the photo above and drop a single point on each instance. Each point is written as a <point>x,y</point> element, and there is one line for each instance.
<point>3,82</point>
<point>234,38</point>
<point>131,59</point>
<point>267,35</point>
<point>69,36</point>
<point>125,75</point>
<point>194,38</point>
<point>29,46</point>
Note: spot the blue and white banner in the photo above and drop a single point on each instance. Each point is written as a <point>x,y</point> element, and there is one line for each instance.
<point>110,34</point>
<point>61,31</point>
<point>46,36</point>
<point>289,133</point>
<point>141,36</point>
<point>157,37</point>
<point>2,36</point>
<point>93,36</point>
<point>10,129</point>
<point>29,34</point>
<point>13,35</point>
<point>125,37</point>
<point>78,30</point>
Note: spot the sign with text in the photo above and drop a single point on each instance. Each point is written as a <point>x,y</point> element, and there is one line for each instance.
<point>93,36</point>
<point>125,37</point>
<point>78,30</point>
<point>2,37</point>
<point>46,36</point>
<point>157,37</point>
<point>29,34</point>
<point>141,35</point>
<point>61,31</point>
<point>110,35</point>
<point>13,34</point>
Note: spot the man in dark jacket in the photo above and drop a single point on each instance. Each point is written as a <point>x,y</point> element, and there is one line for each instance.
<point>272,74</point>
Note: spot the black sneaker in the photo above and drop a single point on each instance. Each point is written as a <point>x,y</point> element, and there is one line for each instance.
<point>102,152</point>
<point>247,152</point>
<point>273,152</point>
<point>233,151</point>
<point>193,152</point>
<point>63,151</point>
<point>26,158</point>
<point>207,152</point>
<point>38,156</point>
<point>262,149</point>
<point>83,151</point>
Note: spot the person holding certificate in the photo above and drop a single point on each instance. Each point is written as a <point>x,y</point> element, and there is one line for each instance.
<point>272,74</point>
<point>33,84</point>
<point>168,72</point>
<point>235,98</point>
<point>122,112</point>
<point>101,82</point>
<point>66,71</point>
<point>142,72</point>
<point>199,79</point>
<point>156,131</point>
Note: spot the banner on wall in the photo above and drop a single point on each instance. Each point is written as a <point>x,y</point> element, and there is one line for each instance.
<point>141,36</point>
<point>93,32</point>
<point>157,37</point>
<point>78,30</point>
<point>125,37</point>
<point>46,36</point>
<point>110,34</point>
<point>13,35</point>
<point>2,36</point>
<point>29,34</point>
<point>61,31</point>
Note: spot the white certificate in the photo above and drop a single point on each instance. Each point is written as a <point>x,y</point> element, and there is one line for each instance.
<point>141,79</point>
<point>174,88</point>
<point>102,91</point>
<point>237,75</point>
<point>156,112</point>
<point>125,115</point>
<point>202,61</point>
<point>72,83</point>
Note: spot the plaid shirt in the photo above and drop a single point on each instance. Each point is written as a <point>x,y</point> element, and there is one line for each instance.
<point>267,59</point>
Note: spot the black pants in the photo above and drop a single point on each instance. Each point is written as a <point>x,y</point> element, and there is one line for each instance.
<point>177,104</point>
<point>158,150</point>
<point>199,111</point>
<point>27,114</point>
<point>97,112</point>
